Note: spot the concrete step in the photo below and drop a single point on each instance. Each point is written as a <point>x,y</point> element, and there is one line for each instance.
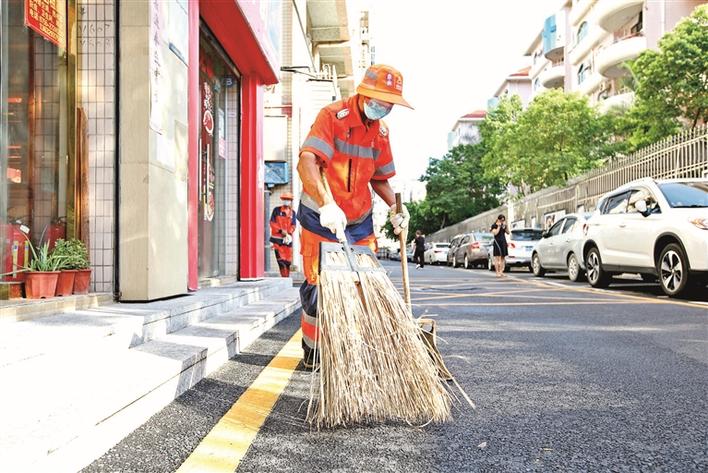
<point>61,412</point>
<point>124,325</point>
<point>30,309</point>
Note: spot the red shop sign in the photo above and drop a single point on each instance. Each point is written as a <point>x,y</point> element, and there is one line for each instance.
<point>48,18</point>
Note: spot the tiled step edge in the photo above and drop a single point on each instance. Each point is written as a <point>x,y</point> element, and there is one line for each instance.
<point>197,361</point>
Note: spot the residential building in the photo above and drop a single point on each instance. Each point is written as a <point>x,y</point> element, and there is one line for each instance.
<point>585,45</point>
<point>465,131</point>
<point>517,83</point>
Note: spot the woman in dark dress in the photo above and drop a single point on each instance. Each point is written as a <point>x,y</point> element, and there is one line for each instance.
<point>500,247</point>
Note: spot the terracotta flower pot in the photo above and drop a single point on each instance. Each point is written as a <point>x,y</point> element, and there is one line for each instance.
<point>65,284</point>
<point>41,284</point>
<point>82,281</point>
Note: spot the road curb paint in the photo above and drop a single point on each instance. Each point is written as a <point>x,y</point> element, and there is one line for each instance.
<point>227,443</point>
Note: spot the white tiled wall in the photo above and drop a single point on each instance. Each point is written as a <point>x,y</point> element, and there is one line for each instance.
<point>96,93</point>
<point>232,179</point>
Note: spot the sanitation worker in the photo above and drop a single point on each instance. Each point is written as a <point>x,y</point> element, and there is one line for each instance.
<point>350,142</point>
<point>283,221</point>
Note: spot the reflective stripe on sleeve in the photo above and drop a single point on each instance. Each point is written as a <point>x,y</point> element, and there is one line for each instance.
<point>320,145</point>
<point>385,169</point>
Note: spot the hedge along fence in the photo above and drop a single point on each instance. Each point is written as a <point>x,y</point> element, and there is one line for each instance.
<point>684,155</point>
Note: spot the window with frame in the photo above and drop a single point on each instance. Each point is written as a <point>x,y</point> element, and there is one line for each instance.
<point>617,204</point>
<point>582,31</point>
<point>569,225</point>
<point>556,228</point>
<point>583,73</point>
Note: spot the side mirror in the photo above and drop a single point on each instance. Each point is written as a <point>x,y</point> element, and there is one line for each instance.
<point>641,206</point>
<point>544,234</point>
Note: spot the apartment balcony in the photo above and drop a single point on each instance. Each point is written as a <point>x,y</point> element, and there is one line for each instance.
<point>553,76</point>
<point>612,14</point>
<point>590,84</point>
<point>328,21</point>
<point>339,55</point>
<point>611,59</point>
<point>621,100</point>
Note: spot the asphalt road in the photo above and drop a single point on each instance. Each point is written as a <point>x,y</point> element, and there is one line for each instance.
<point>566,378</point>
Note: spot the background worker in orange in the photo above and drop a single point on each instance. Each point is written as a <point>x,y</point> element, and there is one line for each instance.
<point>351,144</point>
<point>283,221</point>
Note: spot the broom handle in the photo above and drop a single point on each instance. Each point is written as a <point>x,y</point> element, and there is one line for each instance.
<point>345,243</point>
<point>404,257</point>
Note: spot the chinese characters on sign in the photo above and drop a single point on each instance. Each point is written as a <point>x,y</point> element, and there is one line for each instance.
<point>48,18</point>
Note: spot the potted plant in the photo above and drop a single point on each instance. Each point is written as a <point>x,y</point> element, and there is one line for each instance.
<point>42,273</point>
<point>80,262</point>
<point>71,260</point>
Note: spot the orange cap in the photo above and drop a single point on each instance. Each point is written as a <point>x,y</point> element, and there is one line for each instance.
<point>382,82</point>
<point>286,196</point>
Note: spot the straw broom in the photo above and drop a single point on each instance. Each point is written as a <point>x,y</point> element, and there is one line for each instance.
<point>374,366</point>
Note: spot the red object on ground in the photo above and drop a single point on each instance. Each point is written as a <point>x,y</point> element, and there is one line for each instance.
<point>65,283</point>
<point>82,281</point>
<point>41,284</point>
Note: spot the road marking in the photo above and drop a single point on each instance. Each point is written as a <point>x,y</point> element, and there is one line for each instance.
<point>592,290</point>
<point>504,304</point>
<point>226,444</point>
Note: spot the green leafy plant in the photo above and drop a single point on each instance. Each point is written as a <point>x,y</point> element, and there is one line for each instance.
<point>44,260</point>
<point>73,254</point>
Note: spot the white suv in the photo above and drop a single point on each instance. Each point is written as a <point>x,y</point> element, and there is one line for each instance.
<point>657,228</point>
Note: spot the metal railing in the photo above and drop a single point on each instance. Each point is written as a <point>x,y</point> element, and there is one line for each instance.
<point>684,155</point>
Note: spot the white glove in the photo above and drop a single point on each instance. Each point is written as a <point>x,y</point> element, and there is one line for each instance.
<point>399,220</point>
<point>287,239</point>
<point>332,217</point>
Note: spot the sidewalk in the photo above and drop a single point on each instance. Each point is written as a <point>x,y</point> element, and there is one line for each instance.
<point>76,383</point>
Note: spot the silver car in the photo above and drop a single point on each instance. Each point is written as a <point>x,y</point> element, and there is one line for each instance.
<point>560,249</point>
<point>521,244</point>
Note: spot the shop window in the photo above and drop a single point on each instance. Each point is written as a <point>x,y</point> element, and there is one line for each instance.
<point>34,134</point>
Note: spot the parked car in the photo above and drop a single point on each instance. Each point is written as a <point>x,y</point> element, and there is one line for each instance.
<point>436,252</point>
<point>472,250</point>
<point>454,243</point>
<point>521,243</point>
<point>657,228</point>
<point>395,255</point>
<point>561,248</point>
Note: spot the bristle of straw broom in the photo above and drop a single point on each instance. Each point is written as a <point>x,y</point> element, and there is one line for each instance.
<point>374,367</point>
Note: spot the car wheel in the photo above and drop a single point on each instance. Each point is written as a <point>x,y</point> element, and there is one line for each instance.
<point>490,264</point>
<point>467,263</point>
<point>575,274</point>
<point>673,270</point>
<point>536,267</point>
<point>597,277</point>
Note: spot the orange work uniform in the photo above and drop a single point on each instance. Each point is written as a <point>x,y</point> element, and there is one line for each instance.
<point>283,221</point>
<point>353,155</point>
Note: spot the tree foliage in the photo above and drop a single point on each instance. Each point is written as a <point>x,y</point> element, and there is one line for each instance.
<point>558,136</point>
<point>457,188</point>
<point>671,83</point>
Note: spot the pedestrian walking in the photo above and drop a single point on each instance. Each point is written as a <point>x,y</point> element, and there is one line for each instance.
<point>499,246</point>
<point>283,222</point>
<point>419,250</point>
<point>349,144</point>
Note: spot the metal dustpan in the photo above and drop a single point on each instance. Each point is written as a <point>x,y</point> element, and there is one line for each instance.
<point>344,257</point>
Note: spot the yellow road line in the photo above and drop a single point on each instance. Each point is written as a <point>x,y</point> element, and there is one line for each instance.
<point>226,444</point>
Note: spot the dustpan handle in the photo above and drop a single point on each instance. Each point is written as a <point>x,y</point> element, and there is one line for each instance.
<point>404,257</point>
<point>345,243</point>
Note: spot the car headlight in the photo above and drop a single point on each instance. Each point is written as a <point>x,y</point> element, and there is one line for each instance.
<point>700,222</point>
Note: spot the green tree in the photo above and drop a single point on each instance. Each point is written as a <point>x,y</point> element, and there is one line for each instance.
<point>557,137</point>
<point>671,83</point>
<point>457,188</point>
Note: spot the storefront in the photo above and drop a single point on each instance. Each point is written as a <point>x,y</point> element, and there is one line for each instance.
<point>218,159</point>
<point>36,131</point>
<point>236,54</point>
